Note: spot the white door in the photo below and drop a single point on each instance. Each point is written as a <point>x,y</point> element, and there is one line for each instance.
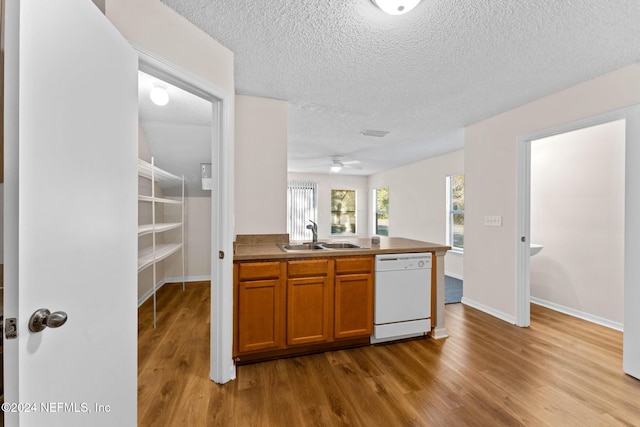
<point>70,215</point>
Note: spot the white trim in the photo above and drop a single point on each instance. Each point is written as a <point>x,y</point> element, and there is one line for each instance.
<point>631,338</point>
<point>439,333</point>
<point>455,276</point>
<point>187,279</point>
<point>523,200</point>
<point>11,214</point>
<point>579,314</point>
<point>495,313</point>
<point>222,368</point>
<point>150,293</point>
<point>523,225</point>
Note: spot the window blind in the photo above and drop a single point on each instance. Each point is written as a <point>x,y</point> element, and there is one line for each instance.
<point>302,206</point>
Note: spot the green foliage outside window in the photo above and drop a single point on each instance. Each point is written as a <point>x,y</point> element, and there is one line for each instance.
<point>382,211</point>
<point>457,211</point>
<point>343,212</point>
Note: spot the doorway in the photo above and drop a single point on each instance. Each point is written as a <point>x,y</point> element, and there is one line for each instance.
<point>221,149</point>
<point>523,284</point>
<point>176,132</point>
<point>577,214</point>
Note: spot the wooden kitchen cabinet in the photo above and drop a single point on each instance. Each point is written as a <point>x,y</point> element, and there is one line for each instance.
<point>309,301</point>
<point>259,309</point>
<point>301,306</point>
<point>353,297</point>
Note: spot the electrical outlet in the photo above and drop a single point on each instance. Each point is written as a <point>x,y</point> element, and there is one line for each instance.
<point>493,220</point>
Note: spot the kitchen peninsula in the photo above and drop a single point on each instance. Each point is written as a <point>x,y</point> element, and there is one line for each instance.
<point>289,302</point>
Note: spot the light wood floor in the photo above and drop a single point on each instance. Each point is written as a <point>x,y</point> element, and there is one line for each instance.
<point>561,371</point>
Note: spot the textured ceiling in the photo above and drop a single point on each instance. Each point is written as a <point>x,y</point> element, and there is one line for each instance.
<point>345,66</point>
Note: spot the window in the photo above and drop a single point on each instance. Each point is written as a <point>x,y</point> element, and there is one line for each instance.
<point>381,226</point>
<point>302,206</point>
<point>343,211</point>
<point>455,211</point>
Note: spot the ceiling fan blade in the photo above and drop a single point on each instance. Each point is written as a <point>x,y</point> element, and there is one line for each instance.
<point>324,165</point>
<point>352,166</point>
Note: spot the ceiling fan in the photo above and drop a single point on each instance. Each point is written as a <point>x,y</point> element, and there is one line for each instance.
<point>337,164</point>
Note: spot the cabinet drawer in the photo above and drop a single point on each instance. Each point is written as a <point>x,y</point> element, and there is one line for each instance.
<point>258,270</point>
<point>308,268</point>
<point>354,265</point>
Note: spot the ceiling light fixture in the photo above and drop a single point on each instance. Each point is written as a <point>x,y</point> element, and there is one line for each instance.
<point>396,7</point>
<point>336,164</point>
<point>159,95</point>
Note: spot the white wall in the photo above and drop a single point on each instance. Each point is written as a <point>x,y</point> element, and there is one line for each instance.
<point>157,28</point>
<point>328,182</point>
<point>490,180</point>
<point>577,213</point>
<point>260,165</point>
<point>197,217</point>
<point>417,201</point>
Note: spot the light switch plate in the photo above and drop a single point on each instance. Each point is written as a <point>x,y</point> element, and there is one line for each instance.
<point>493,220</point>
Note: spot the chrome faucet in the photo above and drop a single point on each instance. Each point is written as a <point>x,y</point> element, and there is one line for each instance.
<point>314,230</point>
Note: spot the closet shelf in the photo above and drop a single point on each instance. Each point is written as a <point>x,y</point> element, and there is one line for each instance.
<point>147,257</point>
<point>142,198</point>
<point>149,171</point>
<point>144,229</point>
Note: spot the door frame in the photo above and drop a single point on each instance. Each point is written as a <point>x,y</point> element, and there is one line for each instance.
<point>222,368</point>
<point>631,115</point>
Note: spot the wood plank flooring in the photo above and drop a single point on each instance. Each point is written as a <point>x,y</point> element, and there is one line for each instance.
<point>561,371</point>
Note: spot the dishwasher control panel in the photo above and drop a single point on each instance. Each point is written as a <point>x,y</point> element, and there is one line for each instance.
<point>391,262</point>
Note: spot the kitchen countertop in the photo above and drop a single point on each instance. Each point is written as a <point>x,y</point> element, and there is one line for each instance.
<point>263,247</point>
<point>388,245</point>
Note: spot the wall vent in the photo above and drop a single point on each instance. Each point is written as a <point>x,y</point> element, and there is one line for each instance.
<point>376,133</point>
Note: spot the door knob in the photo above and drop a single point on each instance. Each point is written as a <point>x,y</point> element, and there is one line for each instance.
<point>43,318</point>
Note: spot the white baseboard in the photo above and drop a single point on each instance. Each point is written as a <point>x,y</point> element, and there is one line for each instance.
<point>579,314</point>
<point>148,294</point>
<point>161,283</point>
<point>495,313</point>
<point>455,276</point>
<point>439,333</point>
<point>187,279</point>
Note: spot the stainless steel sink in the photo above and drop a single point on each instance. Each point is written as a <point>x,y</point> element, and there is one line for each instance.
<point>320,246</point>
<point>301,247</point>
<point>342,245</point>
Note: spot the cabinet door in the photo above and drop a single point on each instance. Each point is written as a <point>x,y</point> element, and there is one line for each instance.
<point>309,310</point>
<point>353,305</point>
<point>260,315</point>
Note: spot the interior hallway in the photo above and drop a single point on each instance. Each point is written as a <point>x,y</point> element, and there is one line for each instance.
<point>562,371</point>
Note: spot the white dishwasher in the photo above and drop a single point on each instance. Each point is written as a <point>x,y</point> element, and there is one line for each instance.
<point>402,306</point>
